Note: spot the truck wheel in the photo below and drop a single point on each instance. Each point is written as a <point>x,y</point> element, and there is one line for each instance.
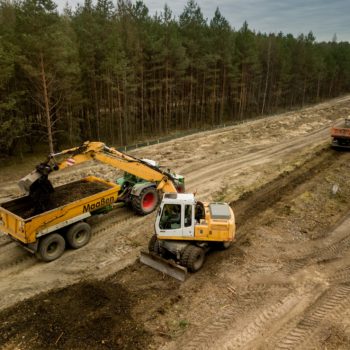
<point>51,247</point>
<point>78,235</point>
<point>193,258</point>
<point>146,202</point>
<point>153,245</point>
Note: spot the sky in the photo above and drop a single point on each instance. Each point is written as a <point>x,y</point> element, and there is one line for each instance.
<point>323,17</point>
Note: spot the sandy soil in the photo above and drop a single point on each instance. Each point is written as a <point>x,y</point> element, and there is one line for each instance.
<point>284,284</point>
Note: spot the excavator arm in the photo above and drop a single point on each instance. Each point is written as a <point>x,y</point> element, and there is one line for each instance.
<point>104,154</point>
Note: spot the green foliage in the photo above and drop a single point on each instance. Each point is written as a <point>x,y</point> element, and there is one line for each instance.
<point>117,74</point>
<point>10,131</point>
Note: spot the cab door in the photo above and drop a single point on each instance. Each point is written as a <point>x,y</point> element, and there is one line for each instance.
<point>188,220</point>
<point>170,220</point>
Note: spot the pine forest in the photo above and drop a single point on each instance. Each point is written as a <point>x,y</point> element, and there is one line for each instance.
<point>113,72</point>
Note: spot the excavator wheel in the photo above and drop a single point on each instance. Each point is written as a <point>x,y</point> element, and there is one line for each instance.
<point>78,235</point>
<point>226,245</point>
<point>146,202</point>
<point>51,247</point>
<point>153,245</point>
<point>193,258</point>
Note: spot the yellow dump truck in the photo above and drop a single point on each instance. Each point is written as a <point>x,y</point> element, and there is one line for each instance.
<point>64,223</point>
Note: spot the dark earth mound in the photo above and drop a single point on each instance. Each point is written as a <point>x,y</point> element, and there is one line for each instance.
<point>74,191</point>
<point>87,315</point>
<point>62,195</point>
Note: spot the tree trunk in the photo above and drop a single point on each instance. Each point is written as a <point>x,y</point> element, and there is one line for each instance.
<point>142,104</point>
<point>120,122</point>
<point>190,102</point>
<point>318,87</point>
<point>125,110</point>
<point>222,104</point>
<point>213,99</point>
<point>46,104</point>
<point>304,91</point>
<point>97,109</point>
<point>203,100</point>
<point>166,117</point>
<point>267,76</point>
<point>242,94</point>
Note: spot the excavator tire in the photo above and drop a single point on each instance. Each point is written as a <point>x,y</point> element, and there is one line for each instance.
<point>51,247</point>
<point>153,245</point>
<point>222,245</point>
<point>146,202</point>
<point>78,235</point>
<point>193,258</point>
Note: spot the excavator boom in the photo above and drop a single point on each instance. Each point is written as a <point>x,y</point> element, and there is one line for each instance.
<point>38,187</point>
<point>108,155</point>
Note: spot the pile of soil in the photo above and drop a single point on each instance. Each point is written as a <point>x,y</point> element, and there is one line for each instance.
<point>86,315</point>
<point>62,195</point>
<point>74,191</point>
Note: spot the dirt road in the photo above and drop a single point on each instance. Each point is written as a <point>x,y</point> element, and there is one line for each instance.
<point>279,283</point>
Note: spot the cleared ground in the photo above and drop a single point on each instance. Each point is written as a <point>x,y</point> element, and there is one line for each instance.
<point>284,284</point>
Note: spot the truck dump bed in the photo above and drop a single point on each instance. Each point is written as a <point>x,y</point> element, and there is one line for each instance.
<point>68,204</point>
<point>342,132</point>
<point>341,135</point>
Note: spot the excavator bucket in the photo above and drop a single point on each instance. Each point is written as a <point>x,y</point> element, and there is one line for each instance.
<point>25,183</point>
<point>169,267</point>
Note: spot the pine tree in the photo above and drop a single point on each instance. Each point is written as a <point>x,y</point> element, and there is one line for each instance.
<point>12,129</point>
<point>45,59</point>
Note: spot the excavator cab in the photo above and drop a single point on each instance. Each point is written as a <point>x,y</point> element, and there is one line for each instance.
<point>176,215</point>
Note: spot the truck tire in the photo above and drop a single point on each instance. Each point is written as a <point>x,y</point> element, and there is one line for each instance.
<point>78,235</point>
<point>193,258</point>
<point>153,245</point>
<point>51,247</point>
<point>146,202</point>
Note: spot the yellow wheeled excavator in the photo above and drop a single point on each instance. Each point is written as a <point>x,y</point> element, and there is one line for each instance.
<point>142,181</point>
<point>185,230</point>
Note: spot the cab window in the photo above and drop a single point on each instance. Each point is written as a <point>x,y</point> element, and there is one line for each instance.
<point>188,215</point>
<point>171,217</point>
